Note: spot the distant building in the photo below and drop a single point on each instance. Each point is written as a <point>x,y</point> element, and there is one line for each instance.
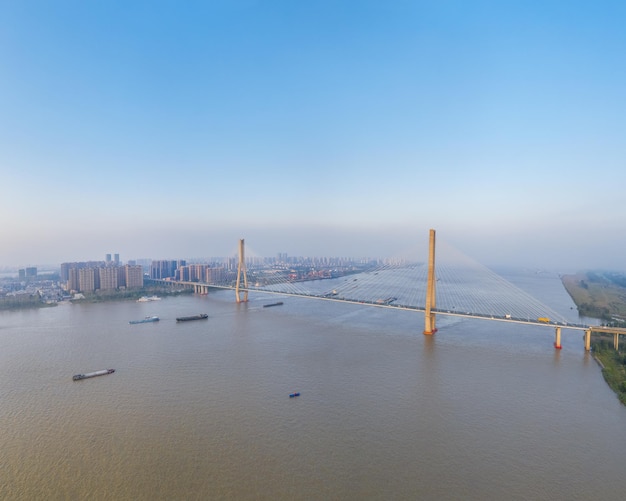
<point>65,267</point>
<point>197,272</point>
<point>133,275</point>
<point>86,279</point>
<point>215,275</point>
<point>160,270</point>
<point>73,283</point>
<point>108,278</point>
<point>182,274</point>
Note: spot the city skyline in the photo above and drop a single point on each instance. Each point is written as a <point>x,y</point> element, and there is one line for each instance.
<point>170,131</point>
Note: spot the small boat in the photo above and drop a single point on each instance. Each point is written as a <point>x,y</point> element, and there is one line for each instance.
<point>202,316</point>
<point>272,304</point>
<point>78,377</point>
<point>295,394</point>
<point>144,320</point>
<point>145,299</point>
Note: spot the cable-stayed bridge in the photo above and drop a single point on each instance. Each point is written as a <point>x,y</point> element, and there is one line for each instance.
<point>457,286</point>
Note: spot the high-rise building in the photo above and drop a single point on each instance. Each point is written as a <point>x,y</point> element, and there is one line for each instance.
<point>72,278</point>
<point>183,274</point>
<point>87,279</point>
<point>73,283</point>
<point>215,275</point>
<point>108,278</point>
<point>134,276</point>
<point>197,272</point>
<point>121,276</point>
<point>163,269</point>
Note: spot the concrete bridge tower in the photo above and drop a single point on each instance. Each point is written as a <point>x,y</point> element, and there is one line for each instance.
<point>241,270</point>
<point>429,317</point>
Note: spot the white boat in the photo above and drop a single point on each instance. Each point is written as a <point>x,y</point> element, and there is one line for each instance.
<point>145,299</point>
<point>144,320</point>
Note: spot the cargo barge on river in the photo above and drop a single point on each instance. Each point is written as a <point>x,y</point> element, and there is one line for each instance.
<point>78,377</point>
<point>272,304</point>
<point>202,316</point>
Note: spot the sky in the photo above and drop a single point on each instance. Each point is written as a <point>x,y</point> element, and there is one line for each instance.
<point>165,129</point>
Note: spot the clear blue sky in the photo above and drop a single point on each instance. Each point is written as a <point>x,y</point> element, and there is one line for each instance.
<point>165,129</point>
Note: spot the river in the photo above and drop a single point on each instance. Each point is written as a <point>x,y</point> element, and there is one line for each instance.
<point>201,410</point>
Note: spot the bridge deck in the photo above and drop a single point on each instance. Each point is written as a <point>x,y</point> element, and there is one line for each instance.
<point>396,306</point>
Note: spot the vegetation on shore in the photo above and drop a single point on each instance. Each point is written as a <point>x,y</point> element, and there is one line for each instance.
<point>26,301</point>
<point>598,294</point>
<point>602,295</point>
<point>613,364</point>
<point>124,294</point>
<point>23,301</point>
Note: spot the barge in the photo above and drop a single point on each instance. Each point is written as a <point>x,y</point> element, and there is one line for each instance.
<point>144,320</point>
<point>202,316</point>
<point>272,304</point>
<point>78,377</point>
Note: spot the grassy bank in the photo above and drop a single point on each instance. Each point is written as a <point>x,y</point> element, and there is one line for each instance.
<point>613,365</point>
<point>598,294</point>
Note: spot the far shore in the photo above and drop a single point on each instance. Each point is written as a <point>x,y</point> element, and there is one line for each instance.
<point>602,295</point>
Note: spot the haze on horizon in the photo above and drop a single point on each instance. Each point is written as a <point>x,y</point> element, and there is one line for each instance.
<point>163,130</point>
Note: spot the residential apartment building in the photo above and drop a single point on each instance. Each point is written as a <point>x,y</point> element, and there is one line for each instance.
<point>133,275</point>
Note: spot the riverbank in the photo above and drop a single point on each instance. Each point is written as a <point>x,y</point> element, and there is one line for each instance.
<point>122,295</point>
<point>613,365</point>
<point>23,303</point>
<point>603,295</point>
<point>598,294</point>
<point>31,301</point>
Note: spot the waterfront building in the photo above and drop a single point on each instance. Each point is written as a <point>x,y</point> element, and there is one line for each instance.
<point>215,275</point>
<point>133,276</point>
<point>121,276</point>
<point>108,277</point>
<point>87,279</point>
<point>65,267</point>
<point>197,272</point>
<point>163,269</point>
<point>73,283</point>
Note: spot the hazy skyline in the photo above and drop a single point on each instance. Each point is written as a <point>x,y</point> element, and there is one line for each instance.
<point>163,130</point>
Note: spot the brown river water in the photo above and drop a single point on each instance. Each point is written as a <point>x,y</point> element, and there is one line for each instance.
<point>201,410</point>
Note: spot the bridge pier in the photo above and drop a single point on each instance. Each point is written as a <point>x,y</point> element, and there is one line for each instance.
<point>616,341</point>
<point>588,340</point>
<point>557,339</point>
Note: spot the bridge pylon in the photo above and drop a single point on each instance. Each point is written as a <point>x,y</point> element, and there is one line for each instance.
<point>241,271</point>
<point>431,298</point>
